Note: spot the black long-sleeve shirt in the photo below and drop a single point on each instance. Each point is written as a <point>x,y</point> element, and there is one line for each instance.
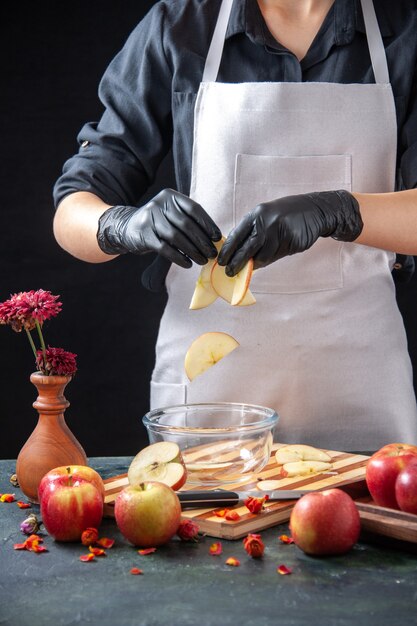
<point>149,88</point>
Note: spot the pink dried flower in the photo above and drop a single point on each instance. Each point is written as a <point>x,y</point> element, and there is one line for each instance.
<point>56,362</point>
<point>25,309</point>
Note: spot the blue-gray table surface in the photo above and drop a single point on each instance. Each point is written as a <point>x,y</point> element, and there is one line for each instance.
<point>183,585</point>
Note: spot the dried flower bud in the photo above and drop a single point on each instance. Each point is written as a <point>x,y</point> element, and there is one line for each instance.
<point>188,530</point>
<point>255,505</point>
<point>254,545</point>
<point>89,536</point>
<point>30,525</point>
<point>14,481</point>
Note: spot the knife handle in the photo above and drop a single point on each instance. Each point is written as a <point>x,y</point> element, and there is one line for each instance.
<point>207,499</point>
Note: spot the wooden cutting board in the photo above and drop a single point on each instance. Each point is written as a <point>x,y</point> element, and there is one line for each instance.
<point>348,473</point>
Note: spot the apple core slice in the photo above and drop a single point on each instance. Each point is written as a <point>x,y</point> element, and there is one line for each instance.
<point>161,462</point>
<point>303,468</point>
<point>206,351</point>
<point>300,452</point>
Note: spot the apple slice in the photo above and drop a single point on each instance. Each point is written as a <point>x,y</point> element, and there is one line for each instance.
<point>233,289</point>
<point>300,452</point>
<point>206,350</point>
<point>161,462</point>
<point>303,468</point>
<point>204,294</point>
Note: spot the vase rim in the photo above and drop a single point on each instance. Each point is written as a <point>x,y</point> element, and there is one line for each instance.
<point>55,377</point>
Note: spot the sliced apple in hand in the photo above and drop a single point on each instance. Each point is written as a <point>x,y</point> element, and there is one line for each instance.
<point>207,350</point>
<point>204,294</point>
<point>303,468</point>
<point>300,452</point>
<point>233,289</point>
<point>161,462</point>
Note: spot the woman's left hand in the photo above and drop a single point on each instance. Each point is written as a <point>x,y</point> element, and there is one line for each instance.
<point>273,230</point>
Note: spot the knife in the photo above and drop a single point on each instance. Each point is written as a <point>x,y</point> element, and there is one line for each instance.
<point>221,498</point>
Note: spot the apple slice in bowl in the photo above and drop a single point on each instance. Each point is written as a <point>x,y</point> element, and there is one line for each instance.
<point>160,462</point>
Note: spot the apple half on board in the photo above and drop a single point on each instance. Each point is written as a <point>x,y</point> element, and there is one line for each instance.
<point>204,294</point>
<point>206,351</point>
<point>159,462</point>
<point>233,289</point>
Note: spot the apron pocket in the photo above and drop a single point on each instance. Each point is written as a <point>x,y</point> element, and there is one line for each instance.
<point>166,394</point>
<point>261,178</point>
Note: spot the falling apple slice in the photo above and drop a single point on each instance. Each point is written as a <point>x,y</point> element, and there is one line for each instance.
<point>303,468</point>
<point>206,350</point>
<point>161,462</point>
<point>233,289</point>
<point>204,294</point>
<point>300,452</point>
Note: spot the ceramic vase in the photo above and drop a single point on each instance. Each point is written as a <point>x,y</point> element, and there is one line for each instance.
<point>51,444</point>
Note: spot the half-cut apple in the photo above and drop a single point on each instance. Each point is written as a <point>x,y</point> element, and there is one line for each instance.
<point>233,289</point>
<point>161,462</point>
<point>206,351</point>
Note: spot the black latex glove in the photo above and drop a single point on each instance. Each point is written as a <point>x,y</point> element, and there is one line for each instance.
<point>171,224</point>
<point>276,229</point>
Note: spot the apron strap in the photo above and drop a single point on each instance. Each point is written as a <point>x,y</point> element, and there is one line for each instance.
<point>373,34</point>
<point>375,43</point>
<point>214,55</point>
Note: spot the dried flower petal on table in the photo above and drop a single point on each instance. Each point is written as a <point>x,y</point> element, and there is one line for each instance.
<point>23,505</point>
<point>221,512</point>
<point>216,548</point>
<point>232,516</point>
<point>89,536</point>
<point>85,558</point>
<point>254,545</point>
<point>32,544</point>
<point>30,525</point>
<point>97,551</point>
<point>105,542</point>
<point>286,539</point>
<point>7,497</point>
<point>254,504</point>
<point>145,551</point>
<point>188,530</point>
<point>136,571</point>
<point>284,570</point>
<point>232,561</point>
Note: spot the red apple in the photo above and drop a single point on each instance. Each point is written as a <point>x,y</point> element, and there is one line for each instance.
<point>383,468</point>
<point>406,488</point>
<point>147,514</point>
<point>70,506</point>
<point>83,472</point>
<point>325,522</point>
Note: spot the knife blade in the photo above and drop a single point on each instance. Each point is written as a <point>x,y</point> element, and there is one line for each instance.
<point>221,498</point>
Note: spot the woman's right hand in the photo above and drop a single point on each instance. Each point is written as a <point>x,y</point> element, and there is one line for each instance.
<point>171,224</point>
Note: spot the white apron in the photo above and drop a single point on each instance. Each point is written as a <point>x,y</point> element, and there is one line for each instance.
<point>325,343</point>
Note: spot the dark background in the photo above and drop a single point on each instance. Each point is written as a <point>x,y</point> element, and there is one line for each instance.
<point>53,55</point>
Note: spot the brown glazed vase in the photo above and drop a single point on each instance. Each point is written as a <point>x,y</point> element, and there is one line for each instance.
<point>51,444</point>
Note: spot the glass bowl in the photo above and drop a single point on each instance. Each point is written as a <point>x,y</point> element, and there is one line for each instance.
<point>220,442</point>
